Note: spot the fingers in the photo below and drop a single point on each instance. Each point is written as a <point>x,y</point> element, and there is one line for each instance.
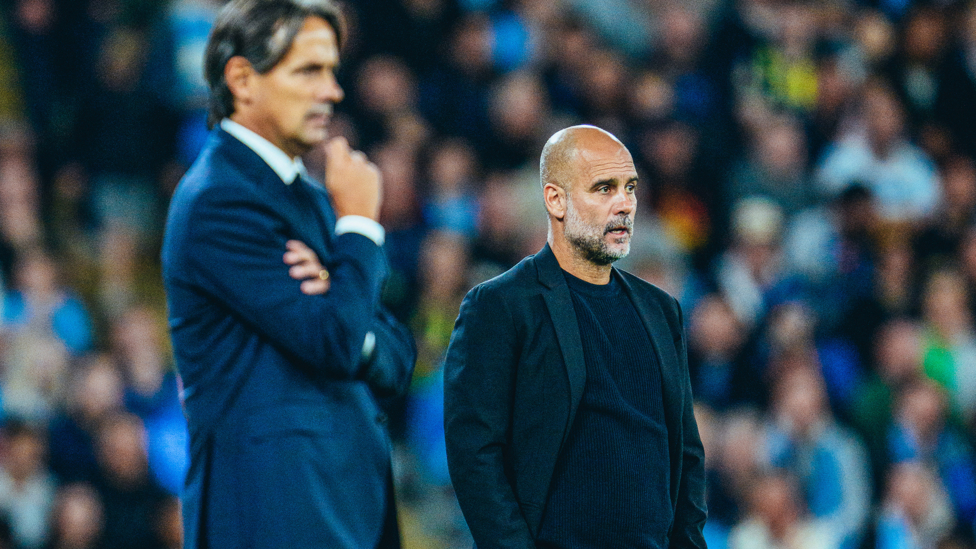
<point>337,148</point>
<point>298,252</point>
<point>305,266</point>
<point>304,270</point>
<point>315,286</point>
<point>338,152</point>
<point>353,182</point>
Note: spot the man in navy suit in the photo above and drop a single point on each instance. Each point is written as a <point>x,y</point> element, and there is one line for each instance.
<point>568,404</point>
<point>273,287</point>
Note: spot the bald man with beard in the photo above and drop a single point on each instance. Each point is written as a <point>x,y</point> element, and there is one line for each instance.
<point>568,407</point>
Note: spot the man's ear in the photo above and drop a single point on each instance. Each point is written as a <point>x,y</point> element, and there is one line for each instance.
<point>555,198</point>
<point>239,73</point>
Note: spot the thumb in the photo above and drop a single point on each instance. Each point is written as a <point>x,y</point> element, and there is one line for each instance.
<point>337,148</point>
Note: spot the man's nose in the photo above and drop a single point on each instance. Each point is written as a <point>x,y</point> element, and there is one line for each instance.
<point>624,203</point>
<point>331,92</point>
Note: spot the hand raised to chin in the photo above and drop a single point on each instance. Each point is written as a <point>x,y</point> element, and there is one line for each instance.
<point>305,266</point>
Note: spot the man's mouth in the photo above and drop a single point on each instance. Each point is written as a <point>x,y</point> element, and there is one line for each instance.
<point>321,115</point>
<point>619,228</point>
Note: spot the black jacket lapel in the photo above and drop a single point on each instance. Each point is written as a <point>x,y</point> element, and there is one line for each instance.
<point>662,338</point>
<point>560,305</point>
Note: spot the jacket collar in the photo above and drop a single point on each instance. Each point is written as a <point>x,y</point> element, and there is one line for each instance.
<point>313,228</point>
<point>551,274</point>
<point>282,164</point>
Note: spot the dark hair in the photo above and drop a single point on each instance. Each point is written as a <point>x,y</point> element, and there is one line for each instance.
<point>15,427</point>
<point>262,32</point>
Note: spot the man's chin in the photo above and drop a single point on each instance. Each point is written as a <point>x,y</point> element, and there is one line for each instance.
<point>618,250</point>
<point>620,254</point>
<point>619,244</point>
<point>310,139</point>
<point>607,255</point>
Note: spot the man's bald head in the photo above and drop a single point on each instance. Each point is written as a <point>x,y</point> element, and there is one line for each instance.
<point>560,155</point>
<point>588,185</point>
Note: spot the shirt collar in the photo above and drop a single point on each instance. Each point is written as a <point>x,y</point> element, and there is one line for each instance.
<point>283,165</point>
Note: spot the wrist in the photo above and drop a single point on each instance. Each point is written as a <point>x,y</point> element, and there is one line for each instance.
<point>363,225</point>
<point>357,212</point>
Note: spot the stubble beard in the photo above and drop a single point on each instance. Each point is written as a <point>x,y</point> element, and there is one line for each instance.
<point>311,134</point>
<point>590,240</point>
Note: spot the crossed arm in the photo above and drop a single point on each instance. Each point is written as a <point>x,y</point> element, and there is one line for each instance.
<point>388,370</point>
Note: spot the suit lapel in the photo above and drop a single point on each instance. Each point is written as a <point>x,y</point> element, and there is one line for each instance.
<point>563,315</point>
<point>656,324</point>
<point>294,203</point>
<point>318,223</point>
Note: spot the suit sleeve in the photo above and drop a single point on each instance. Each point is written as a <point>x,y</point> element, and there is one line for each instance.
<point>479,380</point>
<point>690,513</point>
<point>390,368</point>
<point>236,248</point>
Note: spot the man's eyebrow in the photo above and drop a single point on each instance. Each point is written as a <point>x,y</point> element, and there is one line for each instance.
<point>611,181</point>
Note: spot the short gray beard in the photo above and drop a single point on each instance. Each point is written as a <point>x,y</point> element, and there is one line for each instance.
<point>590,241</point>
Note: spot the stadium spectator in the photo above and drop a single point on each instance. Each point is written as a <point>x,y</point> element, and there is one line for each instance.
<point>42,327</point>
<point>41,305</point>
<point>915,512</point>
<point>950,342</point>
<point>877,151</point>
<point>751,274</point>
<point>921,433</point>
<point>940,241</point>
<point>896,364</point>
<point>26,486</point>
<point>78,519</point>
<point>722,373</point>
<point>778,518</point>
<point>152,393</point>
<point>828,461</point>
<point>735,468</point>
<point>452,206</point>
<point>133,501</point>
<point>95,392</point>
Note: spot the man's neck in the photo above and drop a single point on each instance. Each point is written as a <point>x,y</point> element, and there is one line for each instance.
<point>571,261</point>
<point>284,165</point>
<point>260,128</point>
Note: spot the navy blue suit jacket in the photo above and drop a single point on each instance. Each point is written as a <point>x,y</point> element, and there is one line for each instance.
<point>288,448</point>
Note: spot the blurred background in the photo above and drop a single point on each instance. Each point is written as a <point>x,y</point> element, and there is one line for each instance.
<point>808,193</point>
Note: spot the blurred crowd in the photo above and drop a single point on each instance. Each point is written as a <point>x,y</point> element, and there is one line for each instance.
<point>808,192</point>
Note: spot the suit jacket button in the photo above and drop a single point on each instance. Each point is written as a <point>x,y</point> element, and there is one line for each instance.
<point>381,418</point>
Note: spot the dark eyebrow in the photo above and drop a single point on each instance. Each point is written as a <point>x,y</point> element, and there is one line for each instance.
<point>611,181</point>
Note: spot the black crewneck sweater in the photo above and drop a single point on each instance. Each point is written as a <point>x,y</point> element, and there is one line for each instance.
<point>610,486</point>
